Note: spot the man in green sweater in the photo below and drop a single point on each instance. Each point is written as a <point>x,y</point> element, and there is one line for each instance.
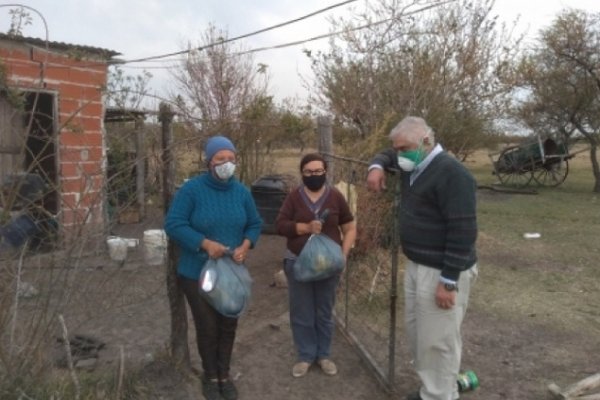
<point>438,230</point>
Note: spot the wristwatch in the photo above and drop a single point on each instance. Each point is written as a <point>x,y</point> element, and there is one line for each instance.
<point>451,287</point>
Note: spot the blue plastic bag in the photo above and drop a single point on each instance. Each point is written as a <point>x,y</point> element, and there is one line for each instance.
<point>226,286</point>
<point>320,258</point>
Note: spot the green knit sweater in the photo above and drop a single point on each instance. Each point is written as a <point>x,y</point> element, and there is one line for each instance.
<point>438,220</point>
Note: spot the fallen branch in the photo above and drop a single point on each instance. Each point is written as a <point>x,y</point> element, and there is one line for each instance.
<point>13,325</point>
<point>576,390</point>
<point>69,356</point>
<point>121,373</point>
<point>589,397</point>
<point>508,190</point>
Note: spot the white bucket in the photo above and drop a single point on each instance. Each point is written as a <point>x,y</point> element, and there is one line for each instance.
<point>117,248</point>
<point>155,246</point>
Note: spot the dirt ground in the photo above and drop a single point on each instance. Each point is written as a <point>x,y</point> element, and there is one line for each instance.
<point>514,358</point>
<point>263,354</point>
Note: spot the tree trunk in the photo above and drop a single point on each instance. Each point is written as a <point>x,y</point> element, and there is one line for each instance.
<point>595,166</point>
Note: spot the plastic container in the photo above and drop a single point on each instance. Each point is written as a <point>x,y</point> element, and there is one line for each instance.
<point>269,192</point>
<point>155,246</point>
<point>117,248</point>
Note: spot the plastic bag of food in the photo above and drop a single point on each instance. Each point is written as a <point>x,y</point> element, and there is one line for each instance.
<point>320,258</point>
<point>226,286</point>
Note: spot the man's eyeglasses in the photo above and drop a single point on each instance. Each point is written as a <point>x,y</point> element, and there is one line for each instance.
<point>309,172</point>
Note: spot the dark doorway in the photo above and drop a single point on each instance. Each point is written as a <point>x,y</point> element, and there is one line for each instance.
<point>40,156</point>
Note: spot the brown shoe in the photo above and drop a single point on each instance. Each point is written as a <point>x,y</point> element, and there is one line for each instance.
<point>300,369</point>
<point>327,366</point>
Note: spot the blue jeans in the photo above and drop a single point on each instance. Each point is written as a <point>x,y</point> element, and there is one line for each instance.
<point>311,314</point>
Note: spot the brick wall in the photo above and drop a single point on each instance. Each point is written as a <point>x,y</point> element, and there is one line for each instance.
<point>77,85</point>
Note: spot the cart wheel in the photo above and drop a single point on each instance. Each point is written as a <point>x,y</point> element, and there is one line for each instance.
<point>552,173</point>
<point>515,169</point>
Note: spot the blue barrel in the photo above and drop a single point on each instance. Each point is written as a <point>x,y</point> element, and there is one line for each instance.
<point>19,230</point>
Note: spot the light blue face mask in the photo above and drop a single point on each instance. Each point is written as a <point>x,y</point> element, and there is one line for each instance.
<point>225,171</point>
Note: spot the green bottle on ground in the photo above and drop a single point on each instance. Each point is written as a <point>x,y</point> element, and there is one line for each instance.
<point>467,381</point>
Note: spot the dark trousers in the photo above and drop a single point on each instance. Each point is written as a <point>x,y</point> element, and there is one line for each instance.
<point>215,333</point>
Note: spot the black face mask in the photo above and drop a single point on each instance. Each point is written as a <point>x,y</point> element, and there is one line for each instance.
<point>314,182</point>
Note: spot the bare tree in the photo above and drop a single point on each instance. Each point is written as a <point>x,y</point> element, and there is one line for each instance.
<point>561,78</point>
<point>19,19</point>
<point>217,83</point>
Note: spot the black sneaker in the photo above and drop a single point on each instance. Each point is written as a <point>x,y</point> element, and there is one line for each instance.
<point>210,389</point>
<point>414,396</point>
<point>228,390</point>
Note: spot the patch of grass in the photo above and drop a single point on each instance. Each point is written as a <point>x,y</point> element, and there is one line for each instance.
<point>554,276</point>
<point>96,385</point>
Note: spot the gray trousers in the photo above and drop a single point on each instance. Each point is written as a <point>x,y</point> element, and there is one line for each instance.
<point>434,333</point>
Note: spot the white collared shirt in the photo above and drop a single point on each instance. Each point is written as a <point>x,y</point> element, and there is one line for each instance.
<point>426,161</point>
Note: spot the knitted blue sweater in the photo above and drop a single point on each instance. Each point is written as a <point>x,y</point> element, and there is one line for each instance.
<point>205,207</point>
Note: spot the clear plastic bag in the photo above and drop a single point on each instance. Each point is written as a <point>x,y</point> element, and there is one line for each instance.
<point>320,258</point>
<point>226,286</point>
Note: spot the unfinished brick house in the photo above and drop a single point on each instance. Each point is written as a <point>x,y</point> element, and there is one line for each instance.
<point>51,127</point>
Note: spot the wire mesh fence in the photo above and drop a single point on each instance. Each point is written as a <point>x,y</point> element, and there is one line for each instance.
<point>368,303</point>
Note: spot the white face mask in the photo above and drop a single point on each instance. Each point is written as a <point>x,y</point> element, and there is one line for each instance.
<point>405,164</point>
<point>225,171</point>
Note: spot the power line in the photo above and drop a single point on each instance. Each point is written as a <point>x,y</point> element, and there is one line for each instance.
<point>221,42</point>
<point>302,41</point>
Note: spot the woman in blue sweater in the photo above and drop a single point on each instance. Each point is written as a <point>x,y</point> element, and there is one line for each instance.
<point>210,214</point>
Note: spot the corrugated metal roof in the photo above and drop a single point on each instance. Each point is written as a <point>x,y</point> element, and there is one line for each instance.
<point>97,51</point>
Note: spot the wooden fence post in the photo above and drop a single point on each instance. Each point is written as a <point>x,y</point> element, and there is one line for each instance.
<point>140,165</point>
<point>179,339</point>
<point>325,133</point>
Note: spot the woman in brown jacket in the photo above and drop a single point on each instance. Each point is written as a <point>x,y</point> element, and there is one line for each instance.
<point>311,303</point>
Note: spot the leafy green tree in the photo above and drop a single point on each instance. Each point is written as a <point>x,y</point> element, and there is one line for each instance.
<point>297,128</point>
<point>440,60</point>
<point>561,78</point>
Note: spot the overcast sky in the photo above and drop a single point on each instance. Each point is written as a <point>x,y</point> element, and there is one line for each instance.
<point>140,28</point>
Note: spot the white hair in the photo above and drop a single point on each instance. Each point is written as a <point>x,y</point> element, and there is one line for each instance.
<point>412,128</point>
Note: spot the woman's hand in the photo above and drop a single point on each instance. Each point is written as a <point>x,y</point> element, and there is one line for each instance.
<point>240,253</point>
<point>316,226</point>
<point>303,228</point>
<point>214,249</point>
